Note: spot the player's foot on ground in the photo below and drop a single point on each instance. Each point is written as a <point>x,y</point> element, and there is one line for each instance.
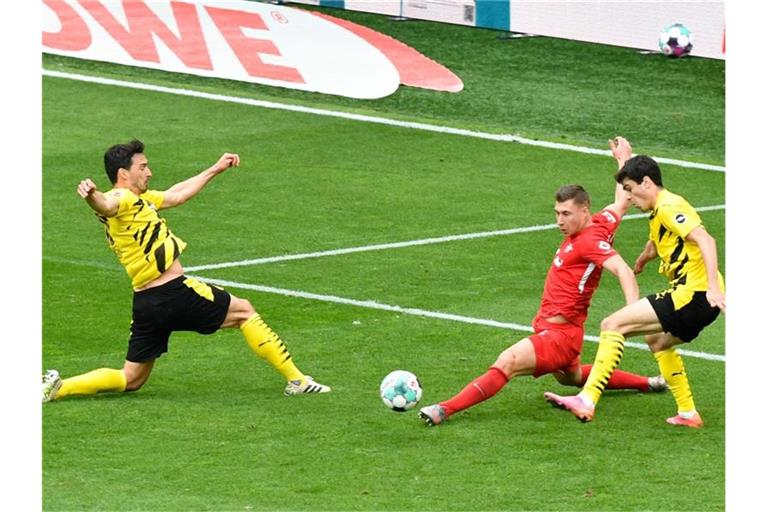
<point>432,414</point>
<point>573,404</point>
<point>308,385</point>
<point>694,421</point>
<point>51,385</point>
<point>657,384</point>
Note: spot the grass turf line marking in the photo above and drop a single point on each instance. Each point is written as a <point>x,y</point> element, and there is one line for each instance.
<point>370,304</point>
<point>365,118</point>
<point>398,245</point>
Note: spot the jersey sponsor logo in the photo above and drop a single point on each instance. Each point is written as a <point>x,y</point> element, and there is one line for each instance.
<point>558,262</point>
<point>680,218</point>
<point>568,248</point>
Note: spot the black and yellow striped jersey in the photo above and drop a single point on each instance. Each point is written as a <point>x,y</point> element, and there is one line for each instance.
<point>140,237</point>
<point>672,219</point>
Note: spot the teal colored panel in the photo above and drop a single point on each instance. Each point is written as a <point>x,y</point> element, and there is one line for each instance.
<point>493,14</point>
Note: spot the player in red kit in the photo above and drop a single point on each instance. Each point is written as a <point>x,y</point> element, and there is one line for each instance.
<point>555,346</point>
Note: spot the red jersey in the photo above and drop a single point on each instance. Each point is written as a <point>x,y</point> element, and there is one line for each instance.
<point>576,269</point>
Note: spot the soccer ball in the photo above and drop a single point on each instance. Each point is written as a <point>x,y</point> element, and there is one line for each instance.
<point>676,40</point>
<point>400,390</point>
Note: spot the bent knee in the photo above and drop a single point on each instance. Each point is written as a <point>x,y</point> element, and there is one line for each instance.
<point>509,363</point>
<point>134,385</point>
<point>241,307</point>
<point>612,323</point>
<point>134,382</point>
<point>136,375</point>
<point>566,378</point>
<point>661,341</point>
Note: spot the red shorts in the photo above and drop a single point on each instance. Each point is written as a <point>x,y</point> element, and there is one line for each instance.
<point>557,346</point>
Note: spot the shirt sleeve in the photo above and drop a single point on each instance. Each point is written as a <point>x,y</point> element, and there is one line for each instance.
<point>597,247</point>
<point>608,221</point>
<point>156,197</point>
<point>124,197</point>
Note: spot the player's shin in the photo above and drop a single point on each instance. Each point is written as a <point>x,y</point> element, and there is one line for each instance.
<point>268,346</point>
<point>619,380</point>
<point>673,371</point>
<point>479,390</point>
<point>609,354</point>
<point>96,381</point>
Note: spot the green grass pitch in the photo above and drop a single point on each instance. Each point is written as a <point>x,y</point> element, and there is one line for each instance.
<point>211,429</point>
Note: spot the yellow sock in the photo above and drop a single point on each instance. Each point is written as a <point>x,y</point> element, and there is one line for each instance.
<point>673,371</point>
<point>96,381</point>
<point>268,346</point>
<point>609,354</point>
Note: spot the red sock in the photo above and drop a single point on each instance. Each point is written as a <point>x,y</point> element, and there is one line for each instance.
<point>619,380</point>
<point>482,388</point>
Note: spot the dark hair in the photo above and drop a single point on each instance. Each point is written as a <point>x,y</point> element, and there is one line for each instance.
<point>637,168</point>
<point>575,192</point>
<point>119,156</point>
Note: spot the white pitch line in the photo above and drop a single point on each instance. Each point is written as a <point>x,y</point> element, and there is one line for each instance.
<point>359,117</point>
<point>370,304</point>
<point>398,245</point>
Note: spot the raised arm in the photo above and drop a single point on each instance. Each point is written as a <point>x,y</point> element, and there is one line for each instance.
<point>184,190</point>
<point>618,267</point>
<point>101,204</point>
<point>708,248</point>
<point>622,151</point>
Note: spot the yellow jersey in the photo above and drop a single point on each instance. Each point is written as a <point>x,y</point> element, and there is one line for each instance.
<point>672,219</point>
<point>140,237</point>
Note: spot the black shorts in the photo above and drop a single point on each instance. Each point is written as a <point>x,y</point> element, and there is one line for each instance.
<point>184,304</point>
<point>682,312</point>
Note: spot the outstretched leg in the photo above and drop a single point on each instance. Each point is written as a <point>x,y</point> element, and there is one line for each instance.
<point>130,378</point>
<point>635,318</point>
<point>619,380</point>
<point>519,359</point>
<point>267,345</point>
<point>672,368</point>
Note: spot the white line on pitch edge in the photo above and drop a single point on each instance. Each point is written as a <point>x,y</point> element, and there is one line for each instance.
<point>365,118</point>
<point>370,304</point>
<point>398,245</point>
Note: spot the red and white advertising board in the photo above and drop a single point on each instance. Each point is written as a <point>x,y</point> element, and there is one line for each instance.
<point>240,40</point>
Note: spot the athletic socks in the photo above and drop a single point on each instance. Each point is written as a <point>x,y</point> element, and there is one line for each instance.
<point>480,389</point>
<point>609,354</point>
<point>268,346</point>
<point>96,381</point>
<point>673,371</point>
<point>619,380</point>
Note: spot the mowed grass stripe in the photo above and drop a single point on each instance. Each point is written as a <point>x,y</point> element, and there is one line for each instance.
<point>399,245</point>
<point>371,304</point>
<point>365,118</point>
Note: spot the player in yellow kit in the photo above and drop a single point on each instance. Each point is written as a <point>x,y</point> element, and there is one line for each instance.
<point>695,296</point>
<point>164,299</point>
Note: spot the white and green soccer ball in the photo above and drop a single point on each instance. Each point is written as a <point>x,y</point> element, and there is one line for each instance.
<point>400,390</point>
<point>675,40</point>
